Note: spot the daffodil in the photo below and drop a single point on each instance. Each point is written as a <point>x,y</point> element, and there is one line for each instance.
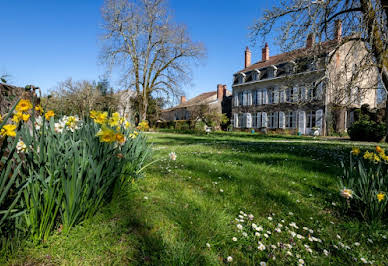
<point>347,193</point>
<point>380,196</point>
<point>23,105</point>
<point>20,116</point>
<point>8,130</point>
<point>101,117</point>
<point>49,114</point>
<point>379,150</point>
<point>39,109</point>
<point>106,135</point>
<point>114,120</point>
<point>21,146</point>
<point>355,151</point>
<point>120,138</point>
<point>368,155</point>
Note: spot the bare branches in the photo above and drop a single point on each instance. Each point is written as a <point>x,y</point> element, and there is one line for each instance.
<point>152,52</point>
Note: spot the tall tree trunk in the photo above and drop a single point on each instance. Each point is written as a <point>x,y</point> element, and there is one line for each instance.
<point>144,108</point>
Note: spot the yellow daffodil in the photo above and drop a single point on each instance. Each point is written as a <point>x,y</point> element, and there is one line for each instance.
<point>376,158</point>
<point>101,117</point>
<point>23,105</point>
<point>114,120</point>
<point>143,126</point>
<point>380,196</point>
<point>1,118</point>
<point>368,155</point>
<point>120,138</point>
<point>39,109</point>
<point>133,135</point>
<point>127,124</point>
<point>93,114</point>
<point>106,135</point>
<point>49,114</point>
<point>355,151</point>
<point>379,150</point>
<point>8,130</point>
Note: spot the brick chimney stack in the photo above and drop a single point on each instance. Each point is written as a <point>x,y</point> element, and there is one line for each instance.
<point>247,57</point>
<point>220,91</point>
<point>265,52</point>
<point>183,99</point>
<point>338,30</point>
<point>310,40</point>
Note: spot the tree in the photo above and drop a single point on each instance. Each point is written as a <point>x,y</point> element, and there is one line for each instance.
<point>364,23</point>
<point>79,97</point>
<point>153,52</point>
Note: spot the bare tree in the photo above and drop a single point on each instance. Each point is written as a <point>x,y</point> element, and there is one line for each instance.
<point>153,52</point>
<point>364,23</point>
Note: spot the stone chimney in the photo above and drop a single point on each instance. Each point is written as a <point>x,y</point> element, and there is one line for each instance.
<point>247,57</point>
<point>338,30</point>
<point>310,40</point>
<point>183,99</point>
<point>220,91</point>
<point>265,53</point>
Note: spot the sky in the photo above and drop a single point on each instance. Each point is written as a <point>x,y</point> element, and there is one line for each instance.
<point>44,42</point>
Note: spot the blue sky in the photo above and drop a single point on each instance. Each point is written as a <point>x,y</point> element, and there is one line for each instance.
<point>45,42</point>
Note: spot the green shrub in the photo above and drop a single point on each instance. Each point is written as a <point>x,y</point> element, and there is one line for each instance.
<point>364,184</point>
<point>367,130</point>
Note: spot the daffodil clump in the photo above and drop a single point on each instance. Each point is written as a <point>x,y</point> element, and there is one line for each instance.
<point>365,183</point>
<point>112,128</point>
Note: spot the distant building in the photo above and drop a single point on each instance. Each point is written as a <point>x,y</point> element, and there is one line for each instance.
<point>219,100</point>
<point>295,91</point>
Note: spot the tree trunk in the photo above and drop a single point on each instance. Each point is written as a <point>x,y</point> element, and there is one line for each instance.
<point>143,110</point>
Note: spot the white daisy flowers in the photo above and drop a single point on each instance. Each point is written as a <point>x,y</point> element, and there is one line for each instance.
<point>261,247</point>
<point>229,259</point>
<point>239,226</point>
<point>208,245</point>
<point>234,239</point>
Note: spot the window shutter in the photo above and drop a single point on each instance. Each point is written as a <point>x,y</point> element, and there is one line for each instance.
<point>249,98</point>
<point>235,120</point>
<point>294,119</point>
<point>254,92</point>
<point>265,96</point>
<point>302,122</point>
<point>320,91</point>
<point>240,99</point>
<point>259,120</point>
<point>319,119</point>
<point>303,94</point>
<point>282,120</point>
<point>259,97</point>
<point>282,96</point>
<point>276,120</point>
<point>249,120</point>
<point>276,95</point>
<point>295,94</point>
<point>264,120</point>
<point>236,99</point>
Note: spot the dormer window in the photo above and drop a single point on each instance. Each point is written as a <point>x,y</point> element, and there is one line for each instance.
<point>241,78</point>
<point>272,71</point>
<point>256,74</point>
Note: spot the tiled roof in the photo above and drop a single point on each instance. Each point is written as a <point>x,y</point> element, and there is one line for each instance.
<point>194,101</point>
<point>288,56</point>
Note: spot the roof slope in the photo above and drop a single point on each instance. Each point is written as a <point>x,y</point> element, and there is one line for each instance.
<point>288,56</point>
<point>194,101</point>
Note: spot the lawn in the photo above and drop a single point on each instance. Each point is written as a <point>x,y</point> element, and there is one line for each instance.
<point>281,191</point>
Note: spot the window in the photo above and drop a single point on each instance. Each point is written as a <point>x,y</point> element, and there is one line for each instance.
<point>241,122</point>
<point>311,94</point>
<point>254,120</point>
<point>271,96</point>
<point>254,96</point>
<point>273,120</point>
<point>240,98</point>
<point>311,121</point>
<point>291,120</point>
<point>289,95</point>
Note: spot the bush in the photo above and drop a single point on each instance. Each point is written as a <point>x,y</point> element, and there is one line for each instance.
<point>367,130</point>
<point>365,183</point>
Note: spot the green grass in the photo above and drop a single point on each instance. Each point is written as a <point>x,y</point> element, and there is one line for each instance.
<point>167,217</point>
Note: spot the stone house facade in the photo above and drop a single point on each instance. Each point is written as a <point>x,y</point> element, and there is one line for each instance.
<point>296,91</point>
<point>219,100</point>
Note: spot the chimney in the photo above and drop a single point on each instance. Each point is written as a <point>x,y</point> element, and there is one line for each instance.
<point>338,30</point>
<point>220,91</point>
<point>265,52</point>
<point>310,40</point>
<point>183,99</point>
<point>247,57</point>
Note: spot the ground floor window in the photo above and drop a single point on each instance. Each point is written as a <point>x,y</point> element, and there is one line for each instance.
<point>273,120</point>
<point>241,121</point>
<point>254,120</point>
<point>291,119</point>
<point>311,119</point>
